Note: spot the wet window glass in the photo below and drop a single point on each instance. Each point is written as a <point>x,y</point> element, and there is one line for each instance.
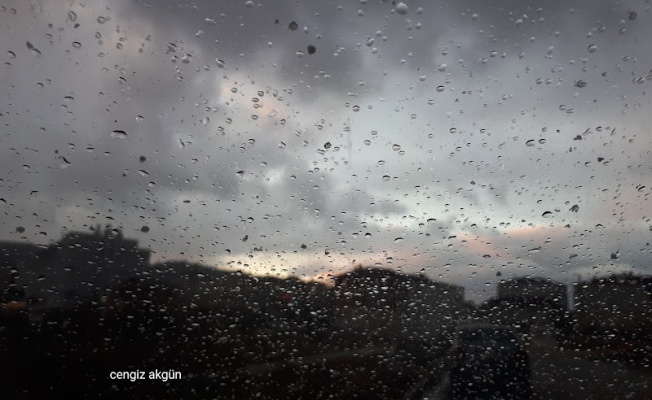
<point>325,199</point>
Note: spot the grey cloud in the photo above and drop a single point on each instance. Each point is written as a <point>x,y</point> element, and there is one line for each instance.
<point>197,134</point>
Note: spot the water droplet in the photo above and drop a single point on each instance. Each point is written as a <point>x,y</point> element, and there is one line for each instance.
<point>20,229</point>
<point>542,141</point>
<point>72,16</point>
<point>530,143</point>
<point>547,214</point>
<point>398,239</point>
<point>592,48</point>
<point>580,84</point>
<point>386,178</point>
<point>440,89</point>
<point>118,134</point>
<point>186,59</point>
<point>64,163</point>
<point>101,19</point>
<point>240,173</point>
<point>142,172</point>
<point>76,45</point>
<point>139,118</point>
<point>575,208</point>
<point>356,108</point>
<point>205,121</point>
<point>327,145</point>
<point>401,8</point>
<point>396,147</point>
<point>142,159</point>
<point>486,256</point>
<point>367,142</point>
<point>312,49</point>
<point>641,188</point>
<point>144,229</point>
<point>293,26</point>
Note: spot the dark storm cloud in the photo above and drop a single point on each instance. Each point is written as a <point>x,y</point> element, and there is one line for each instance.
<point>236,147</point>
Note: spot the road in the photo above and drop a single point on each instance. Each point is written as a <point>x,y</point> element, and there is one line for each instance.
<point>562,375</point>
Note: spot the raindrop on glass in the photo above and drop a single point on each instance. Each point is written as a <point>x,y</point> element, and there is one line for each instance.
<point>401,8</point>
<point>118,134</point>
<point>64,163</point>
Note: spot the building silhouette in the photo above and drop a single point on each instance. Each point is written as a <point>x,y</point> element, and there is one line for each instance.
<point>80,268</point>
<point>396,304</point>
<point>619,304</point>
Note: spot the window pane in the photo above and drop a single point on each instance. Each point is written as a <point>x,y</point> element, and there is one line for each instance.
<point>325,199</point>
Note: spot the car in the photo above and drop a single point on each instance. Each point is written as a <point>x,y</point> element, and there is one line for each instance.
<point>489,361</point>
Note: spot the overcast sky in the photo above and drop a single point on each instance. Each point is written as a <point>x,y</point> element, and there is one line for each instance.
<point>440,137</point>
